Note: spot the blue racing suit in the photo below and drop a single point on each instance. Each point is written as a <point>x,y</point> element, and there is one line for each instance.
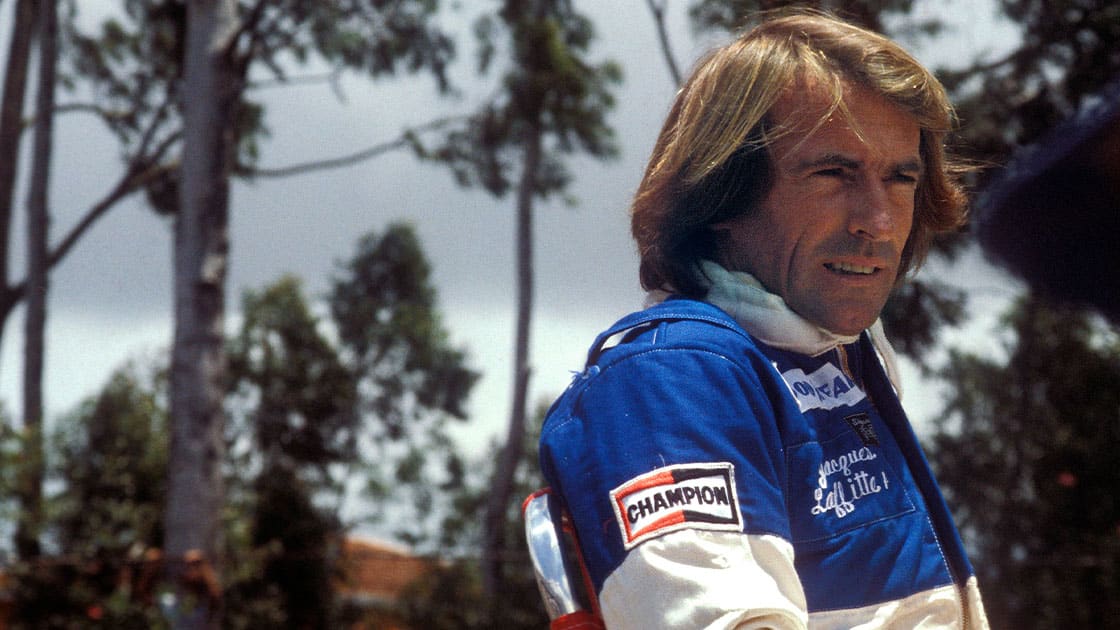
<point>718,482</point>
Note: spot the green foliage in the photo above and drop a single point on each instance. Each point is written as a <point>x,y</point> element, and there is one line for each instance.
<point>1025,452</point>
<point>383,305</point>
<point>292,418</point>
<point>549,89</point>
<point>21,465</point>
<point>294,394</point>
<point>300,398</point>
<point>133,65</point>
<point>1068,52</point>
<point>916,311</point>
<point>303,401</point>
<point>111,459</point>
<point>1026,446</point>
<point>373,36</point>
<point>452,598</point>
<point>296,547</point>
<point>412,380</point>
<point>10,447</point>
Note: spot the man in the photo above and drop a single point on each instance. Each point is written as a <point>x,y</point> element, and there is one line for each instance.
<point>735,455</point>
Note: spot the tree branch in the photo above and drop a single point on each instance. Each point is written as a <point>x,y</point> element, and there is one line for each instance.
<point>310,79</point>
<point>404,140</point>
<point>130,183</point>
<point>150,133</point>
<point>658,10</point>
<point>102,113</point>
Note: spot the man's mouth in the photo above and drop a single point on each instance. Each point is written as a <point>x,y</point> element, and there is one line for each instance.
<point>849,268</point>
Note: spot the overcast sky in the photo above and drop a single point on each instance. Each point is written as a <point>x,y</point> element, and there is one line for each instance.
<point>110,299</point>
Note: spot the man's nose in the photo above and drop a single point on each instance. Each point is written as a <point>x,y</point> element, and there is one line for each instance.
<point>872,215</point>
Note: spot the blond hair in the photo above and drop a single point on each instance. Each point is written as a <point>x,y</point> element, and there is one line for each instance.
<point>711,161</point>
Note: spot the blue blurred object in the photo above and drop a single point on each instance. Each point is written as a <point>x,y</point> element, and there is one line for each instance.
<point>1053,216</point>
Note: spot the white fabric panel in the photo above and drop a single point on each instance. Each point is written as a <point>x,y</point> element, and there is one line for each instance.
<point>719,580</point>
<point>699,579</point>
<point>945,608</point>
<point>974,606</point>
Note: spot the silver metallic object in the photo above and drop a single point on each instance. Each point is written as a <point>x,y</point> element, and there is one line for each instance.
<point>552,550</point>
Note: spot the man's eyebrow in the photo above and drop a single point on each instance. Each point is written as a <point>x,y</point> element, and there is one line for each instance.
<point>911,165</point>
<point>826,160</point>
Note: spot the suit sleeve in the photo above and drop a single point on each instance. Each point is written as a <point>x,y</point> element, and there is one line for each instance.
<point>637,452</point>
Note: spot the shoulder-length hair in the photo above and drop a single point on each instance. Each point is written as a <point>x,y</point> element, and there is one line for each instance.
<point>712,163</point>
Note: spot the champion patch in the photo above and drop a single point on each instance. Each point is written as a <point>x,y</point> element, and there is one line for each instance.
<point>685,496</point>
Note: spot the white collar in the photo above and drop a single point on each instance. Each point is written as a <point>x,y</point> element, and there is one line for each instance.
<point>765,315</point>
<point>769,319</point>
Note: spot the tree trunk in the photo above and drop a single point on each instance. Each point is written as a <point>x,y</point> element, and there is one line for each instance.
<point>658,11</point>
<point>195,491</point>
<point>31,487</point>
<point>502,487</point>
<point>11,127</point>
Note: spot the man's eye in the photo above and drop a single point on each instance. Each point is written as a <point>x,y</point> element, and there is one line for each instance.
<point>903,178</point>
<point>831,172</point>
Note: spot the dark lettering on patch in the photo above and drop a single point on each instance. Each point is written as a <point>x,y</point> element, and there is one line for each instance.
<point>861,424</point>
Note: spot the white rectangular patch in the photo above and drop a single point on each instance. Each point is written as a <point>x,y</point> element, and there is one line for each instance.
<point>684,496</point>
<point>827,388</point>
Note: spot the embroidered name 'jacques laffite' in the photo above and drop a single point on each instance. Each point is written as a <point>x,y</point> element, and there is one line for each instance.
<point>697,496</point>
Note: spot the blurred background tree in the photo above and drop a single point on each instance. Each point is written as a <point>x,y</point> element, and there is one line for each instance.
<point>1023,446</point>
<point>452,598</point>
<point>553,102</point>
<point>309,416</point>
<point>1024,449</point>
<point>138,69</point>
<point>109,461</point>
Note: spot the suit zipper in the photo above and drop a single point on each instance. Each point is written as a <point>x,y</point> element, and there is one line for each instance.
<point>842,357</point>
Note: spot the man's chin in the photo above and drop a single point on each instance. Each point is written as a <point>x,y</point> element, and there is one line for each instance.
<point>848,322</point>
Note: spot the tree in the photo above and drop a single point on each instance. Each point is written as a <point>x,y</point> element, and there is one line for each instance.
<point>552,102</point>
<point>1057,237</point>
<point>142,166</point>
<point>315,404</point>
<point>449,599</point>
<point>141,72</point>
<point>1036,432</point>
<point>195,491</point>
<point>108,458</point>
<point>133,67</point>
<point>413,381</point>
<point>1068,51</point>
<point>293,405</point>
<point>293,396</point>
<point>214,68</point>
<point>311,415</point>
<point>27,534</point>
<point>1025,451</point>
<point>11,129</point>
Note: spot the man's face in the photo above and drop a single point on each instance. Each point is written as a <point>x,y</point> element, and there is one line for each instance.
<point>829,235</point>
